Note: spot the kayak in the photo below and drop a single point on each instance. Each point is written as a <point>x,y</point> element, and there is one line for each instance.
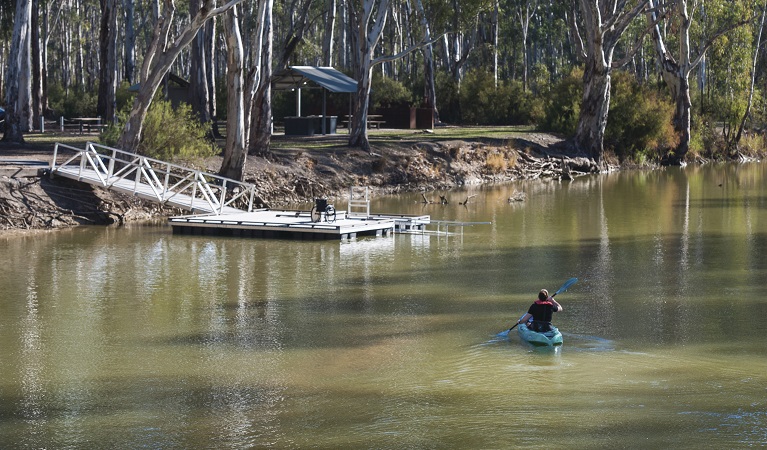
<point>551,338</point>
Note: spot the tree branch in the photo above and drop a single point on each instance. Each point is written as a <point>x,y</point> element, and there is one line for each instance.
<point>716,36</point>
<point>640,40</point>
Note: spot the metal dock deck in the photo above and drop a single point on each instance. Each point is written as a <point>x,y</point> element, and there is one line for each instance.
<point>283,224</point>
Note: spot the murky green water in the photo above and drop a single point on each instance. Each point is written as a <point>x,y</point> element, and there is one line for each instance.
<point>135,338</point>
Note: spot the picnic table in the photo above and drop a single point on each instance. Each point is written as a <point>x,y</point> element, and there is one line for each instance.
<point>83,124</point>
<point>373,120</point>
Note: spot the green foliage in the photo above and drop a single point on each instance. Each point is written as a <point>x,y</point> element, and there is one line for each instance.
<point>73,103</point>
<point>482,103</point>
<point>124,98</point>
<point>168,134</point>
<point>448,100</point>
<point>562,104</point>
<point>524,108</point>
<point>706,141</point>
<point>389,93</point>
<point>639,125</point>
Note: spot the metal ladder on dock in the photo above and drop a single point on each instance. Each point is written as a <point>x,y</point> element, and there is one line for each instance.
<point>151,179</point>
<point>359,202</point>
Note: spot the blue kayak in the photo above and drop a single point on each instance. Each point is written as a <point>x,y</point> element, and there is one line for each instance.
<point>550,338</point>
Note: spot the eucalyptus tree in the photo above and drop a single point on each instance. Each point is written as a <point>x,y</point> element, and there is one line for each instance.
<point>430,88</point>
<point>129,49</point>
<point>260,83</point>
<point>330,25</point>
<point>462,38</point>
<point>676,70</point>
<point>727,74</point>
<point>235,152</point>
<point>604,22</point>
<point>108,60</point>
<point>248,96</point>
<point>159,57</point>
<point>50,12</point>
<point>18,86</point>
<point>367,22</point>
<point>757,49</point>
<point>200,64</point>
<point>524,11</point>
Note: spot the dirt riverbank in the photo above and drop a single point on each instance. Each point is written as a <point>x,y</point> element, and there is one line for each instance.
<point>298,170</point>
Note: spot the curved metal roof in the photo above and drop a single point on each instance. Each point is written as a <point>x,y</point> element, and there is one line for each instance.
<point>295,77</point>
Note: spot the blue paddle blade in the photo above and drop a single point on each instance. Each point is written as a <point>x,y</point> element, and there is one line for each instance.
<point>567,284</point>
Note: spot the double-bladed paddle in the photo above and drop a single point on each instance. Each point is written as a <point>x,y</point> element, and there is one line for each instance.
<point>563,288</point>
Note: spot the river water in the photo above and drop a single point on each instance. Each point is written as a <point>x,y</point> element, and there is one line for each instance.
<point>132,337</point>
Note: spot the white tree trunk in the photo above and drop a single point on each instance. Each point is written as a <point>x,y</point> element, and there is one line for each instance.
<point>261,109</point>
<point>18,89</point>
<point>330,24</point>
<point>38,74</point>
<point>525,12</point>
<point>130,41</point>
<point>603,27</point>
<point>366,35</point>
<point>198,71</point>
<point>235,152</point>
<point>595,104</point>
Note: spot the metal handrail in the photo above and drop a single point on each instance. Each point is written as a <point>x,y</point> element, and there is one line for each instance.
<point>166,180</point>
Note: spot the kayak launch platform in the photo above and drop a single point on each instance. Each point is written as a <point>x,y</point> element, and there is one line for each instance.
<point>298,225</point>
<point>225,207</point>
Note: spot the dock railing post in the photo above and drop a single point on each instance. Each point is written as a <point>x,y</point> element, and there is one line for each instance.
<point>55,154</point>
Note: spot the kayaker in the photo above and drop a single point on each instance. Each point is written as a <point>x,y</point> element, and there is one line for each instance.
<point>540,312</point>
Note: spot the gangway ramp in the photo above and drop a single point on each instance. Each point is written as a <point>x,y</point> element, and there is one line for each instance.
<point>151,179</point>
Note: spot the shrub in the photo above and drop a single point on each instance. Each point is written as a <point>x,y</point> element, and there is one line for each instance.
<point>480,102</point>
<point>523,108</point>
<point>639,125</point>
<point>562,104</point>
<point>75,103</point>
<point>386,92</point>
<point>168,134</point>
<point>448,100</point>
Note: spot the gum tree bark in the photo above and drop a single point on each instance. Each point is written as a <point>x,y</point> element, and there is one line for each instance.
<point>261,104</point>
<point>198,71</point>
<point>130,41</point>
<point>18,88</point>
<point>366,33</point>
<point>108,60</point>
<point>604,24</point>
<point>234,153</point>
